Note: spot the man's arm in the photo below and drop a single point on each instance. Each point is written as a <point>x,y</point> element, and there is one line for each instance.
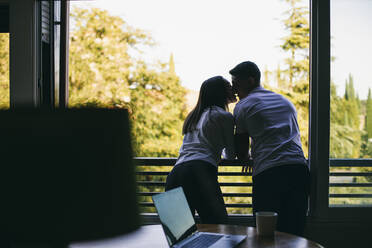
<point>242,150</point>
<point>228,131</point>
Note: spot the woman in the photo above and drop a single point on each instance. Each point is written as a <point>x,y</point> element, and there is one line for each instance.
<point>207,130</point>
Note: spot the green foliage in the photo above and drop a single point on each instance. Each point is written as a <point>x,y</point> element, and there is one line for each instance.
<point>4,70</point>
<point>99,60</point>
<point>369,116</point>
<point>293,80</point>
<point>366,146</point>
<point>158,111</point>
<point>104,74</point>
<point>349,89</point>
<point>296,43</point>
<point>345,131</point>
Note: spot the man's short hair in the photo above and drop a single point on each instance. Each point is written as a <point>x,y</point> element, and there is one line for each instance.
<point>246,69</point>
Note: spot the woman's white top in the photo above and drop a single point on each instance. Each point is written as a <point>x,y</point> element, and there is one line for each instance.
<point>213,133</point>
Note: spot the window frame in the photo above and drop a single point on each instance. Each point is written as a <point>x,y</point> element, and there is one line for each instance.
<point>23,91</point>
<point>319,124</point>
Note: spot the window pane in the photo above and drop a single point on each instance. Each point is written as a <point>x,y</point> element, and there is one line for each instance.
<point>4,71</point>
<point>153,61</point>
<point>351,103</point>
<point>57,44</point>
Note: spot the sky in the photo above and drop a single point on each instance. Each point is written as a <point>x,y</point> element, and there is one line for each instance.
<point>209,37</point>
<point>351,44</point>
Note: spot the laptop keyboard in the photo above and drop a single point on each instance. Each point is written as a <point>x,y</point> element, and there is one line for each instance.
<point>204,240</point>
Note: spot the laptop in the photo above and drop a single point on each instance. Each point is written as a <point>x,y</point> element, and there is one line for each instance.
<point>179,225</point>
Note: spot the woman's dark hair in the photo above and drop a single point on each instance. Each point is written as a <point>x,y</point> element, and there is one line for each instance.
<point>213,92</point>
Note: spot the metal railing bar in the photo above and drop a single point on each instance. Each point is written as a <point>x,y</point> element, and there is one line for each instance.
<point>350,174</point>
<point>234,174</point>
<point>350,205</point>
<point>146,204</point>
<point>152,173</point>
<point>152,161</point>
<point>249,195</point>
<point>233,162</point>
<point>238,205</point>
<point>350,195</point>
<point>350,162</point>
<point>165,173</point>
<point>351,165</point>
<point>148,193</point>
<point>146,183</point>
<point>350,184</point>
<point>155,161</point>
<point>232,205</point>
<point>223,194</point>
<point>232,184</point>
<point>332,174</point>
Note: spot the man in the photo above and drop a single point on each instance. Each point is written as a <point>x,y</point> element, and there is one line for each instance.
<point>280,172</point>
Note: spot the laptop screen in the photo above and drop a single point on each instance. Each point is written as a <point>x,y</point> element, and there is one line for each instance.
<point>175,214</point>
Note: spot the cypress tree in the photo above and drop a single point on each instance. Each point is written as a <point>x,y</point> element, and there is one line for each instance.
<point>369,115</point>
<point>172,69</point>
<point>351,87</point>
<point>297,43</point>
<point>295,75</point>
<point>347,90</point>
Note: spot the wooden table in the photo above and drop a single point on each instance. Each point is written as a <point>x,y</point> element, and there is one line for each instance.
<point>253,240</point>
<point>153,236</point>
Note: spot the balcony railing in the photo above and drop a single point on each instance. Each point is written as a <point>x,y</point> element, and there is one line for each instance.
<point>350,183</point>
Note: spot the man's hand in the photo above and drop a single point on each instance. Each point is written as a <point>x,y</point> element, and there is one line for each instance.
<point>242,147</point>
<point>247,165</point>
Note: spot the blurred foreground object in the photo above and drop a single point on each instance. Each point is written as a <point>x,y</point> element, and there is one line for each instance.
<point>66,175</point>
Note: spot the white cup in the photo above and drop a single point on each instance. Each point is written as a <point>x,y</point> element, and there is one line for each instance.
<point>266,223</point>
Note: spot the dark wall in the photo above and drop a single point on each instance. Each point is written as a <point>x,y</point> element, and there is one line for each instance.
<point>340,234</point>
<point>4,18</point>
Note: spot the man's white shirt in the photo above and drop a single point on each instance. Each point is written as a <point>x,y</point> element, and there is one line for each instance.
<point>271,122</point>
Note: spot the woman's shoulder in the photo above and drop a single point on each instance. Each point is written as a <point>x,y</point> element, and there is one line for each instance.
<point>221,114</point>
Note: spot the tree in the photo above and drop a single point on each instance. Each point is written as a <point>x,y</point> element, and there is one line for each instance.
<point>369,114</point>
<point>349,108</point>
<point>4,70</point>
<point>294,78</point>
<point>279,80</point>
<point>266,74</point>
<point>158,104</point>
<point>99,60</point>
<point>345,137</point>
<point>172,68</point>
<point>368,125</point>
<point>297,43</point>
<point>102,73</point>
<point>349,88</point>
